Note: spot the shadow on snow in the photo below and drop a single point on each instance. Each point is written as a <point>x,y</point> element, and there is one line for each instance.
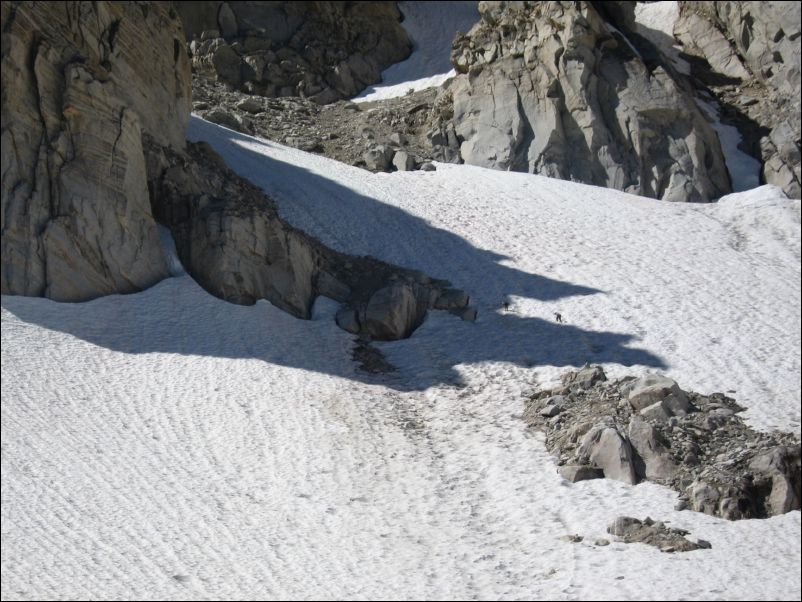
<point>177,316</point>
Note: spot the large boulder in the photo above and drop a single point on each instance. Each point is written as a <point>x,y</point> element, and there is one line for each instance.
<point>657,389</point>
<point>394,311</point>
<point>377,157</point>
<point>81,83</point>
<point>584,378</point>
<point>605,448</point>
<point>652,454</point>
<point>780,471</point>
<point>549,88</point>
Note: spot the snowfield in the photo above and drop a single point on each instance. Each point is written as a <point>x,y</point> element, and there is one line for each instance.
<point>169,445</point>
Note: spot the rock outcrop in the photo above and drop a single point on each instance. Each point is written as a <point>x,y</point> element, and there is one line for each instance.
<point>754,69</point>
<point>551,88</point>
<point>233,243</point>
<point>325,51</point>
<point>95,102</point>
<point>648,428</point>
<point>654,533</point>
<point>81,83</point>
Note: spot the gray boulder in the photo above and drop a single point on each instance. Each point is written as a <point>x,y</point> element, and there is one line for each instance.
<point>657,389</point>
<point>397,139</point>
<point>704,497</point>
<point>403,161</point>
<point>652,457</point>
<point>228,65</point>
<point>304,144</point>
<point>377,157</point>
<point>251,104</point>
<point>780,469</point>
<point>604,447</point>
<point>225,118</point>
<point>584,378</point>
<point>467,314</point>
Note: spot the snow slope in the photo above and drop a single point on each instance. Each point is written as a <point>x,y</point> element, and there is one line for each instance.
<point>431,27</point>
<point>168,445</point>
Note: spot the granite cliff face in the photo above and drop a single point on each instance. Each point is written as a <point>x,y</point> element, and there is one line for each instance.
<point>81,82</point>
<point>552,88</point>
<point>750,59</point>
<point>95,105</point>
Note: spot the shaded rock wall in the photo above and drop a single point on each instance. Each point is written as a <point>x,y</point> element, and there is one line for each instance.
<point>81,82</point>
<point>232,242</point>
<point>322,50</point>
<point>551,88</point>
<point>759,51</point>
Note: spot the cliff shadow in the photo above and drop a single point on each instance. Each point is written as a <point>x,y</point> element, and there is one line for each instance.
<point>178,317</point>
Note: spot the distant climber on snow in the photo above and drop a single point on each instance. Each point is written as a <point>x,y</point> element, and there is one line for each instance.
<point>558,317</point>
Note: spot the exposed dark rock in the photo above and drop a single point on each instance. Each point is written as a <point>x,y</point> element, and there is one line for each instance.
<point>345,131</point>
<point>231,240</point>
<point>468,314</point>
<point>706,452</point>
<point>654,533</point>
<point>584,378</point>
<point>370,359</point>
<point>452,298</point>
<point>325,51</point>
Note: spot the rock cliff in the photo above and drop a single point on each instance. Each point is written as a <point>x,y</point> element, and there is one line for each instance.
<point>552,88</point>
<point>81,82</point>
<point>95,103</point>
<point>754,70</point>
